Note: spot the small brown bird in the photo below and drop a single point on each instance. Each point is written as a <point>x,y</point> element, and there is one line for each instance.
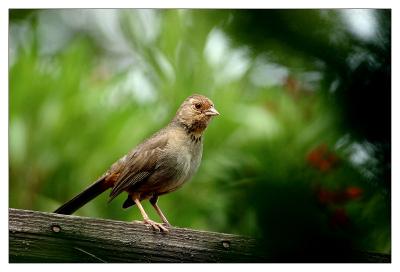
<point>159,165</point>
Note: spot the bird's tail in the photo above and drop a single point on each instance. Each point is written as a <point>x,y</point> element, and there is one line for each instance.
<point>84,197</point>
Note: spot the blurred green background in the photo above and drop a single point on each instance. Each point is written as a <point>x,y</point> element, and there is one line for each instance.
<point>299,157</point>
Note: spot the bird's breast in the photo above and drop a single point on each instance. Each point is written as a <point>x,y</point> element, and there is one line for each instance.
<point>183,163</point>
<point>183,160</point>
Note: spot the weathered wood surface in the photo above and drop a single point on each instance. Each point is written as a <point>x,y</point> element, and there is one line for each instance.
<point>48,237</point>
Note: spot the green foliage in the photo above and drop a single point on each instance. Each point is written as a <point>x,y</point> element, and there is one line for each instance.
<point>276,163</point>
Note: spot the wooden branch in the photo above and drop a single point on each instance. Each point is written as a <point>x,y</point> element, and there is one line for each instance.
<point>48,237</point>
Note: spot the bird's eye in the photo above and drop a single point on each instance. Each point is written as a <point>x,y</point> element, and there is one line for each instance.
<point>197,105</point>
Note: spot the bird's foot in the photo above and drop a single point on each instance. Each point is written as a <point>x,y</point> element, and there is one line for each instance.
<point>155,226</point>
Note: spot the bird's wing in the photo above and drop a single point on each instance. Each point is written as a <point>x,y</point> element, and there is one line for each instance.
<point>140,163</point>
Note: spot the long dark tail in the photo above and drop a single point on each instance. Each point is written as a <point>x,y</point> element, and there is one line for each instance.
<point>84,197</point>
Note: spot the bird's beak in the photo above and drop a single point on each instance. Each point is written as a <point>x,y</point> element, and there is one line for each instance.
<point>211,112</point>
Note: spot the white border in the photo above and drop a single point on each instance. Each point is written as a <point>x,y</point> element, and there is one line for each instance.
<point>198,4</point>
<point>6,4</point>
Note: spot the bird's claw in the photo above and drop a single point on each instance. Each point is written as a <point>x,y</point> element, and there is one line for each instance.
<point>155,226</point>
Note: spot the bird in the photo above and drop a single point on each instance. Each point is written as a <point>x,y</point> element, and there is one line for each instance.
<point>159,165</point>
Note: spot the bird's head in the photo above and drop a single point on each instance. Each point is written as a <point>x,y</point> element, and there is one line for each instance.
<point>195,113</point>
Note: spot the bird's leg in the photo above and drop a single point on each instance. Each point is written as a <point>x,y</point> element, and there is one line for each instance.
<point>153,202</point>
<point>146,219</point>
